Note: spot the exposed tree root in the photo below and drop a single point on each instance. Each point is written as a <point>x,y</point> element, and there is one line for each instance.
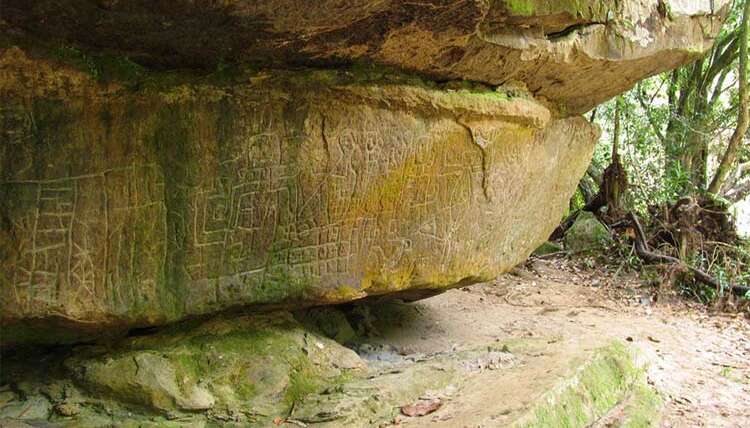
<point>643,251</point>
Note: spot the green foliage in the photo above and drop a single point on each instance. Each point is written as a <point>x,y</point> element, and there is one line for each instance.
<point>675,125</point>
<point>674,129</point>
<point>728,264</point>
<point>653,175</point>
<point>577,201</point>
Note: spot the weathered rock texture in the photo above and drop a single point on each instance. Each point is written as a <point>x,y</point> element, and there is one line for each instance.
<point>149,197</point>
<point>141,208</point>
<point>574,52</point>
<point>242,369</point>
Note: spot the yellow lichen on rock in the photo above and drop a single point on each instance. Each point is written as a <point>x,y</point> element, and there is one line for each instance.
<point>302,188</point>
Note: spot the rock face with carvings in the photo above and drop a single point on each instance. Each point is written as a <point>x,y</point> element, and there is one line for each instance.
<point>313,154</point>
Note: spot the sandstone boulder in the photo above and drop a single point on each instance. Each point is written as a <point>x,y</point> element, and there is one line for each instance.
<point>135,194</point>
<point>130,208</point>
<point>127,208</point>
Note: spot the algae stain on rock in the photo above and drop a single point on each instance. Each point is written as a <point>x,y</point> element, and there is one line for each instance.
<point>609,377</point>
<point>263,363</point>
<point>171,143</point>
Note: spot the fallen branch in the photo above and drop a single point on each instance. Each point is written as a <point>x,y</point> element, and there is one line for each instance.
<point>641,248</point>
<point>551,255</point>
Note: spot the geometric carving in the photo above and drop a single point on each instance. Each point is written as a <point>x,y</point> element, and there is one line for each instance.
<point>260,200</point>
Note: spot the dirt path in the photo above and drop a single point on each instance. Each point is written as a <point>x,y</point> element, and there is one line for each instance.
<point>549,345</point>
<point>700,364</point>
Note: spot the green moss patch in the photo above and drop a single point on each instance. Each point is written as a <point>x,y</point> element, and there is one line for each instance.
<point>521,7</point>
<point>607,379</point>
<point>643,408</point>
<point>587,234</point>
<point>257,364</point>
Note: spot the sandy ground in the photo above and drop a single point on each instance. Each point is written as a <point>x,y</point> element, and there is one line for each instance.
<point>699,362</point>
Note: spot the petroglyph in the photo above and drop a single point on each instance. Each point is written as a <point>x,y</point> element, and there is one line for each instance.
<point>77,245</point>
<point>267,197</point>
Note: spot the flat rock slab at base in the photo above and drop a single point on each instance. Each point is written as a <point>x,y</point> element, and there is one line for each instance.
<point>512,351</point>
<point>572,393</point>
<point>128,207</point>
<point>259,370</point>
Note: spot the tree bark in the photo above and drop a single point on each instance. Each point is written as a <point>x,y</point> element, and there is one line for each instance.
<point>615,180</point>
<point>739,192</point>
<point>743,114</point>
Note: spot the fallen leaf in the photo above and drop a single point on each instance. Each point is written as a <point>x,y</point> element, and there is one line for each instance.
<point>653,339</point>
<point>422,407</point>
<point>278,421</point>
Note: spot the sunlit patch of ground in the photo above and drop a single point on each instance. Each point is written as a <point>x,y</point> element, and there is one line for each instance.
<point>699,363</point>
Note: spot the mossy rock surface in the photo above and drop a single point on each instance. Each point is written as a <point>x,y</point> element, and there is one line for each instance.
<point>330,321</point>
<point>140,205</point>
<point>609,378</point>
<point>263,363</point>
<point>589,50</point>
<point>548,247</point>
<point>587,235</point>
<point>249,371</point>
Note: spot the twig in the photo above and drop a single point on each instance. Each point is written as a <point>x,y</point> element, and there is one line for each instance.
<point>295,422</point>
<point>724,244</point>
<point>548,255</point>
<point>727,365</point>
<point>553,308</point>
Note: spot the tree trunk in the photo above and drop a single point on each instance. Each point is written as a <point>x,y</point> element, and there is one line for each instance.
<point>743,114</point>
<point>615,181</point>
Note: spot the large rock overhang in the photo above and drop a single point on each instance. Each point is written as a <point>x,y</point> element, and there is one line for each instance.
<point>574,53</point>
<point>134,196</point>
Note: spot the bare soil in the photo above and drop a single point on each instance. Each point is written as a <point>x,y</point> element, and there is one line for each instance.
<point>699,362</point>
